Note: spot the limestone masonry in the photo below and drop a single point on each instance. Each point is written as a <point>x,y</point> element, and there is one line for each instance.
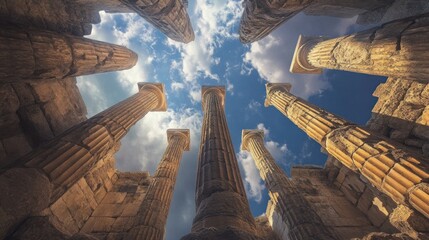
<point>58,178</point>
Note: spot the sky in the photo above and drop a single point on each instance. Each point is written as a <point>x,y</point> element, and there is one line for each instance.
<point>216,57</point>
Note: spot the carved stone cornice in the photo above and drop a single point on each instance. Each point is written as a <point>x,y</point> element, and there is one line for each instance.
<point>159,90</point>
<point>246,134</point>
<point>184,133</point>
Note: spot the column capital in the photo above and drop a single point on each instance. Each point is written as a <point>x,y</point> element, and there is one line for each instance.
<point>219,90</point>
<point>185,133</point>
<point>275,86</point>
<point>159,90</point>
<point>300,63</point>
<point>246,134</point>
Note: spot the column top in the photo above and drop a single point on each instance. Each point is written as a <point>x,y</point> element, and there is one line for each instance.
<point>181,132</point>
<point>250,133</point>
<point>300,63</point>
<point>275,86</point>
<point>159,90</point>
<point>219,90</point>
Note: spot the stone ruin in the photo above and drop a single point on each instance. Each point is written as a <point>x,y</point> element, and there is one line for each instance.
<point>58,177</point>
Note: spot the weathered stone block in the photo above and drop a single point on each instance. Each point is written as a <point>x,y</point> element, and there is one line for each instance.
<point>63,216</point>
<point>77,204</point>
<point>99,194</point>
<point>9,101</point>
<point>9,125</point>
<point>24,93</point>
<point>88,193</point>
<point>123,224</point>
<point>130,209</point>
<point>114,197</point>
<point>16,146</point>
<point>35,124</point>
<point>108,210</point>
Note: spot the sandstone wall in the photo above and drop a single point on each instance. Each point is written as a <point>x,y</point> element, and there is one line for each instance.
<point>332,205</point>
<point>402,113</point>
<point>71,211</point>
<point>264,228</point>
<point>117,211</point>
<point>33,113</point>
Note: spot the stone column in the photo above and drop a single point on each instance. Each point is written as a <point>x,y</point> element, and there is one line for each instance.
<point>221,202</point>
<point>400,174</point>
<point>41,177</point>
<point>300,219</point>
<point>152,216</point>
<point>30,55</point>
<point>395,49</point>
<point>261,17</point>
<point>169,16</point>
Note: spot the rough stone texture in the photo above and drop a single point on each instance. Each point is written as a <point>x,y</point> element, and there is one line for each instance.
<point>77,204</point>
<point>402,113</point>
<point>298,219</point>
<point>260,18</point>
<point>333,206</point>
<point>117,210</point>
<point>39,228</point>
<point>68,157</point>
<point>264,228</point>
<point>397,172</point>
<point>344,8</point>
<point>152,213</point>
<point>30,55</point>
<point>380,210</point>
<point>16,206</point>
<point>223,211</point>
<point>33,113</point>
<point>394,49</point>
<point>76,17</point>
<point>60,16</point>
<point>397,10</point>
<point>169,16</point>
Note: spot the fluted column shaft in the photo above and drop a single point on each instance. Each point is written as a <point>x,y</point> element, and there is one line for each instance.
<point>301,220</point>
<point>220,196</point>
<point>261,17</point>
<point>396,172</point>
<point>152,216</point>
<point>30,55</point>
<point>395,49</point>
<point>69,156</point>
<point>169,16</point>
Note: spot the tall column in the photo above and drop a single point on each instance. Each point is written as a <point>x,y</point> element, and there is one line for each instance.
<point>169,16</point>
<point>400,174</point>
<point>300,219</point>
<point>261,17</point>
<point>221,202</point>
<point>36,54</point>
<point>395,49</point>
<point>152,216</point>
<point>41,177</point>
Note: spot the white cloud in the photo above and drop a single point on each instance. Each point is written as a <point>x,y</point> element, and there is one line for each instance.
<point>212,22</point>
<point>142,149</point>
<point>176,86</point>
<point>261,126</point>
<point>252,180</point>
<point>271,56</point>
<point>130,30</point>
<point>254,106</point>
